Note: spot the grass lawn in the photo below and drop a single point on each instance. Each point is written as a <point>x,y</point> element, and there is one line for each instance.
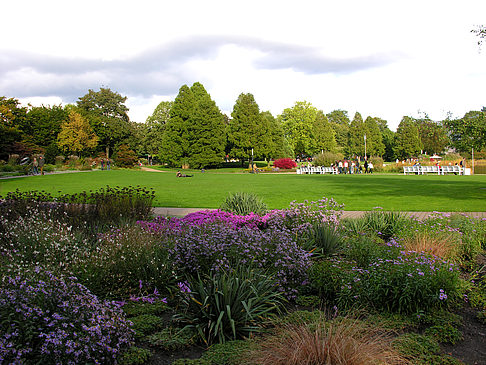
<point>208,190</point>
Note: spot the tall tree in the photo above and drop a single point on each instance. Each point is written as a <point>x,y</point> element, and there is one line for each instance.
<point>278,146</point>
<point>76,135</point>
<point>247,129</point>
<point>340,124</point>
<point>297,123</point>
<point>153,129</point>
<point>407,139</point>
<point>206,131</point>
<point>357,132</point>
<point>433,135</point>
<point>468,132</point>
<point>12,125</point>
<point>107,113</point>
<point>175,140</point>
<point>374,139</point>
<point>323,134</point>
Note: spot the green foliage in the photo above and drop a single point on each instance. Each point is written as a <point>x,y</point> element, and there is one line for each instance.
<point>356,136</point>
<point>228,353</point>
<point>385,224</point>
<point>298,123</point>
<point>229,306</point>
<point>418,348</point>
<point>133,308</point>
<point>433,136</point>
<point>125,157</point>
<point>243,203</point>
<point>195,132</point>
<point>407,139</point>
<point>172,339</point>
<point>339,121</point>
<point>374,139</point>
<point>192,362</point>
<point>309,301</point>
<point>377,163</point>
<point>468,132</point>
<point>326,158</point>
<point>445,333</point>
<point>146,324</point>
<point>248,130</point>
<point>135,355</point>
<point>325,240</point>
<point>323,135</point>
<point>45,123</point>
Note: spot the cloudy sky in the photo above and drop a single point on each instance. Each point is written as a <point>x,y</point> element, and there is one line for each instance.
<point>381,58</point>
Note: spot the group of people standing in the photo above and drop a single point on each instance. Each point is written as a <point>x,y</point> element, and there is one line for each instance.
<point>104,163</point>
<point>38,165</point>
<point>353,167</point>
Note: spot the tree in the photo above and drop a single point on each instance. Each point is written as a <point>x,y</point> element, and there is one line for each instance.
<point>247,130</point>
<point>433,135</point>
<point>175,140</point>
<point>278,147</point>
<point>340,122</point>
<point>297,123</point>
<point>206,131</point>
<point>407,139</point>
<point>152,130</point>
<point>468,132</point>
<point>76,135</point>
<point>374,139</point>
<point>323,134</point>
<point>356,136</point>
<point>481,33</point>
<point>12,125</point>
<point>107,113</point>
<point>195,132</point>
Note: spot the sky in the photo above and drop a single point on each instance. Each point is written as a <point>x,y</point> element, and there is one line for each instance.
<point>383,59</point>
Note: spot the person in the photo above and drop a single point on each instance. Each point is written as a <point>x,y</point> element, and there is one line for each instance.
<point>35,165</point>
<point>108,163</point>
<point>102,163</point>
<point>179,174</point>
<point>41,164</point>
<point>370,167</point>
<point>340,166</point>
<point>366,166</point>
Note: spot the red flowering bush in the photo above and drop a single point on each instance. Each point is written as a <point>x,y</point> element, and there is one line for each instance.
<point>285,163</point>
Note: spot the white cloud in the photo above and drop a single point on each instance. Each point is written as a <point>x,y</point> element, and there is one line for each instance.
<point>382,58</point>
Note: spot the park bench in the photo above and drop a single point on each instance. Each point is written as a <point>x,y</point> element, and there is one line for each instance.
<point>440,170</point>
<point>317,170</point>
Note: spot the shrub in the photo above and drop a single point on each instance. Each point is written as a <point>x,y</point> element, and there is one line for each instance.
<point>325,240</point>
<point>414,346</point>
<point>229,305</point>
<point>242,203</point>
<point>125,157</point>
<point>395,281</point>
<point>285,163</point>
<point>172,339</point>
<point>127,262</point>
<point>326,158</point>
<point>341,341</point>
<point>228,353</point>
<point>377,163</point>
<point>146,324</point>
<point>135,355</point>
<point>57,320</point>
<point>214,248</point>
<point>385,224</point>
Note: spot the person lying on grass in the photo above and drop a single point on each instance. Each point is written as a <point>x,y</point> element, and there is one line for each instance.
<point>179,174</point>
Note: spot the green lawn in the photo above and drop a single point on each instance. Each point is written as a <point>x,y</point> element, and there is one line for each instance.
<point>207,190</point>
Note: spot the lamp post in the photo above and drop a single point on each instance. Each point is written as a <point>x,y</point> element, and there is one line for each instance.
<point>365,146</point>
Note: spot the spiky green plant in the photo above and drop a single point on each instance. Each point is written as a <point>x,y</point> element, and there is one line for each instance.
<point>242,203</point>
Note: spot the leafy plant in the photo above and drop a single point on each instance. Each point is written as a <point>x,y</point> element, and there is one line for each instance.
<point>325,240</point>
<point>135,355</point>
<point>230,305</point>
<point>229,353</point>
<point>48,319</point>
<point>242,203</point>
<point>172,339</point>
<point>146,324</point>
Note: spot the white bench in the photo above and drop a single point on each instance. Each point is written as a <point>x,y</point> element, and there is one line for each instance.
<point>317,170</point>
<point>439,170</point>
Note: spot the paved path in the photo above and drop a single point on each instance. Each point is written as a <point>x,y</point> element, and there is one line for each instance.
<point>180,212</point>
